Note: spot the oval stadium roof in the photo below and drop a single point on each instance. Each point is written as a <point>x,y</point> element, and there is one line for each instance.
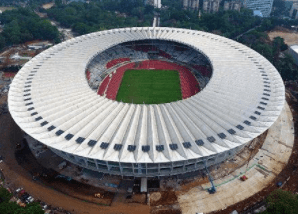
<point>51,100</point>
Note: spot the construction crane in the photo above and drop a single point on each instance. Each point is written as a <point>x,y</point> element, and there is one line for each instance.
<point>212,189</point>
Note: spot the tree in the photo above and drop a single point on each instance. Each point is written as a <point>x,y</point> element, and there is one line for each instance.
<point>58,3</point>
<point>282,202</point>
<point>5,195</point>
<point>22,25</point>
<point>7,207</point>
<point>2,42</point>
<point>279,43</point>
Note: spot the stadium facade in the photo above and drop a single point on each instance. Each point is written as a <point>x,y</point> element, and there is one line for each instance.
<point>52,101</point>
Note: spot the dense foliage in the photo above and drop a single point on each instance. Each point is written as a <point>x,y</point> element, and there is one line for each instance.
<point>7,207</point>
<point>226,23</point>
<point>22,25</point>
<point>258,40</point>
<point>24,2</point>
<point>85,18</point>
<point>281,202</point>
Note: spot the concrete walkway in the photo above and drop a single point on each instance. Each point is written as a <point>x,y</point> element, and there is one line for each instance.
<point>261,170</point>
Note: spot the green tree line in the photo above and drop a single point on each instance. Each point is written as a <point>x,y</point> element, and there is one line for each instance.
<point>281,202</point>
<point>8,207</point>
<point>259,40</point>
<point>101,15</point>
<point>21,25</point>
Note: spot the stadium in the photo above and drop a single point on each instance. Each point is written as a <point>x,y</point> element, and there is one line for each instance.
<point>146,102</point>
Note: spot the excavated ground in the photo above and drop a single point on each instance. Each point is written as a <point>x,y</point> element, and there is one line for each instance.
<point>289,175</point>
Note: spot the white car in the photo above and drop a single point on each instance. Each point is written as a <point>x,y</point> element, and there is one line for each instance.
<point>30,199</point>
<point>44,207</point>
<point>18,189</point>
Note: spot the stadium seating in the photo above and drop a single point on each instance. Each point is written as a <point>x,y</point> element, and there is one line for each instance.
<point>191,65</point>
<point>114,62</point>
<point>203,70</point>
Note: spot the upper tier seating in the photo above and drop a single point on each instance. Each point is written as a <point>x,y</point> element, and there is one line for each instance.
<point>114,62</point>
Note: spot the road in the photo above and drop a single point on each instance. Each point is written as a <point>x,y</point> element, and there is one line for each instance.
<point>67,32</point>
<point>237,37</point>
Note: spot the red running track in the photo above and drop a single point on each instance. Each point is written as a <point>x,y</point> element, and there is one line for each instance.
<point>115,82</point>
<point>116,61</point>
<point>103,86</point>
<point>188,83</point>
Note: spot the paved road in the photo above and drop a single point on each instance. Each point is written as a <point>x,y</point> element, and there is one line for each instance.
<point>237,37</point>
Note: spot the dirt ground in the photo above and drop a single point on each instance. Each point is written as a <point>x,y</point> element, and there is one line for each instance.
<point>48,5</point>
<point>155,196</point>
<point>167,198</point>
<point>137,198</point>
<point>289,175</point>
<point>290,37</point>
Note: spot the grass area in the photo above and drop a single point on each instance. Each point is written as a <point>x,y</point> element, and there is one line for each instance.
<point>149,87</point>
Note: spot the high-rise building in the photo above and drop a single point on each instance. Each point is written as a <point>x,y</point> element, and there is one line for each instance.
<point>293,11</point>
<point>265,6</point>
<point>232,5</point>
<point>191,4</point>
<point>155,3</point>
<point>211,6</point>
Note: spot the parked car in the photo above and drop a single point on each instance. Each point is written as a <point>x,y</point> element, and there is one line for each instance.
<point>44,207</point>
<point>18,189</point>
<point>24,196</point>
<point>30,199</point>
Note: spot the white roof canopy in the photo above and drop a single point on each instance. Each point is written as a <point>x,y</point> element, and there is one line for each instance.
<point>50,93</point>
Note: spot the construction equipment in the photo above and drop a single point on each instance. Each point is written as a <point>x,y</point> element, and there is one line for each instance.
<point>212,189</point>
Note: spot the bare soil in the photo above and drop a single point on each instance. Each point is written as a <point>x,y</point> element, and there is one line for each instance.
<point>167,198</point>
<point>290,37</point>
<point>48,5</point>
<point>155,196</point>
<point>289,175</point>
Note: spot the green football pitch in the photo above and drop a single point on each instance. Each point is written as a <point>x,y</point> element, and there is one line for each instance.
<point>149,87</point>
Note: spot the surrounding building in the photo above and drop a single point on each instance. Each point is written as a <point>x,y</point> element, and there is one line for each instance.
<point>211,6</point>
<point>51,100</point>
<point>293,50</point>
<point>191,4</point>
<point>258,13</point>
<point>232,5</point>
<point>293,11</point>
<point>289,3</point>
<point>265,6</point>
<point>155,3</point>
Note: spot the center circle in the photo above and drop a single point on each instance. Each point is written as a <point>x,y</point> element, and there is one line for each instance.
<point>149,71</point>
